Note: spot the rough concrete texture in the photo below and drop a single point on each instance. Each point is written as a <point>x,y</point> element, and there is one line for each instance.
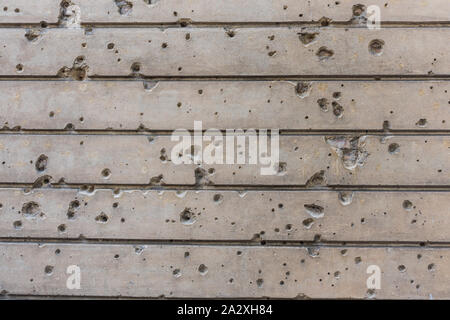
<point>91,91</point>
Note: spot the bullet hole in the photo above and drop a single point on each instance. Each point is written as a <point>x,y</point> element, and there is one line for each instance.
<point>231,33</point>
<point>259,283</point>
<point>187,36</point>
<point>338,110</point>
<point>359,14</point>
<point>337,95</point>
<point>358,260</point>
<point>376,47</point>
<point>302,89</point>
<point>203,269</point>
<point>431,267</point>
<point>188,217</point>
<point>43,24</point>
<point>106,173</point>
<point>57,252</point>
<point>281,168</point>
<point>87,189</point>
<point>421,123</point>
<point>101,218</point>
<point>42,181</point>
<point>201,177</point>
<point>407,205</point>
<point>308,223</point>
<point>69,14</point>
<point>51,114</point>
<point>62,228</point>
<point>337,274</point>
<point>358,9</point>
<point>150,85</point>
<point>135,67</point>
<point>324,53</point>
<point>401,268</point>
<point>19,68</point>
<point>41,163</point>
<point>33,35</point>
<point>124,7</point>
<point>164,45</point>
<point>271,53</point>
<point>17,225</point>
<point>78,71</point>
<point>163,155</point>
<point>73,206</point>
<point>345,197</point>
<point>110,46</point>
<point>344,252</point>
<point>323,104</point>
<point>48,270</point>
<point>151,2</point>
<point>324,21</point>
<point>350,149</point>
<point>31,210</point>
<point>288,227</point>
<point>313,252</point>
<point>88,30</point>
<point>218,198</point>
<point>186,254</point>
<point>308,38</point>
<point>314,210</point>
<point>394,148</point>
<point>316,180</point>
<point>184,22</point>
<point>370,294</point>
<point>139,249</point>
<point>176,273</point>
<point>157,180</point>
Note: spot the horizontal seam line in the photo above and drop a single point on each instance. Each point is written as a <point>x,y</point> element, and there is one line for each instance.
<point>228,187</point>
<point>217,78</point>
<point>282,132</point>
<point>186,23</point>
<point>230,243</point>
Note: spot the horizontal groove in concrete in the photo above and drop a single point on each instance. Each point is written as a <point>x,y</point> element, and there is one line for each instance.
<point>282,132</point>
<point>260,242</point>
<point>219,24</point>
<point>222,78</point>
<point>217,187</point>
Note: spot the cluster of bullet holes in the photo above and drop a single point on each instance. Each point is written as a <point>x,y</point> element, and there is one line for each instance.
<point>102,218</point>
<point>338,109</point>
<point>16,10</point>
<point>71,211</point>
<point>202,177</point>
<point>78,71</point>
<point>350,149</point>
<point>69,14</point>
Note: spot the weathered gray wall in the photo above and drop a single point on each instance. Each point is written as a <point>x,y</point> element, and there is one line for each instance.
<point>102,88</point>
